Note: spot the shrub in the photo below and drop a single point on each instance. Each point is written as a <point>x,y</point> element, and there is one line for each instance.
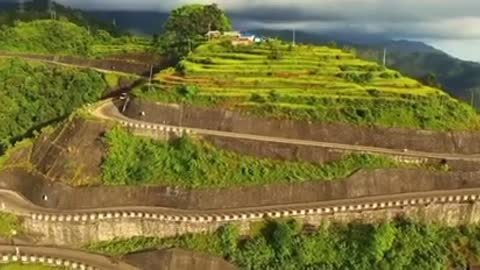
<point>187,91</point>
<point>257,98</point>
<point>273,96</point>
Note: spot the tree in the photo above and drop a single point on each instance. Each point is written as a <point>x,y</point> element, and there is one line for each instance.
<point>194,21</point>
<point>431,80</point>
<point>186,28</point>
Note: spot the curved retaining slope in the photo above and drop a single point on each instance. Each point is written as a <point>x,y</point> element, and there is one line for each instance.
<point>380,182</point>
<point>66,259</point>
<point>231,121</point>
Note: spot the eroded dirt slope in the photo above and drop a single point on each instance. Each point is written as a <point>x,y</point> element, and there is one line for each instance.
<point>73,153</point>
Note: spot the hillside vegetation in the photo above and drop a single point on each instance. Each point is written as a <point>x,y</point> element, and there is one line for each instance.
<point>33,95</point>
<point>399,244</point>
<point>39,10</point>
<point>191,162</point>
<point>315,83</point>
<point>65,38</point>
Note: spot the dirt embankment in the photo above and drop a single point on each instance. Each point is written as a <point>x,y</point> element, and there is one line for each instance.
<point>73,153</point>
<point>136,64</point>
<point>176,259</point>
<point>361,184</point>
<point>218,119</point>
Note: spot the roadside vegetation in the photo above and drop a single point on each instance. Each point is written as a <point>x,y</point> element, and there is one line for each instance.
<point>10,225</point>
<point>34,95</point>
<point>191,162</point>
<point>305,82</point>
<point>400,244</point>
<point>18,266</point>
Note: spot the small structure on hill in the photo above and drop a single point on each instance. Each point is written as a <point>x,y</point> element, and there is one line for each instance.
<point>234,34</point>
<point>213,34</point>
<point>237,38</point>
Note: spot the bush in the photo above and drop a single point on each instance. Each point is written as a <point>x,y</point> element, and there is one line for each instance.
<point>274,96</point>
<point>360,78</point>
<point>187,91</point>
<point>194,163</point>
<point>35,95</point>
<point>257,98</point>
<point>398,244</point>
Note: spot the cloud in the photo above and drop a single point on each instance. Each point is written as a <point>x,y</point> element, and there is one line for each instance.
<point>426,19</point>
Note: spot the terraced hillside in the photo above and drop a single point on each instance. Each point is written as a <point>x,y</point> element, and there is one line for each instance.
<point>305,82</point>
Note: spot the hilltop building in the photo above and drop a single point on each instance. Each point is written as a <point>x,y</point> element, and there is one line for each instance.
<point>237,37</point>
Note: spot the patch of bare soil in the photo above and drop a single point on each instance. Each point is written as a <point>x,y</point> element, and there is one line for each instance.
<point>177,259</point>
<point>73,154</point>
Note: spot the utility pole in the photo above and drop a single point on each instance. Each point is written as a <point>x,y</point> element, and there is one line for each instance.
<point>150,80</point>
<point>51,10</point>
<point>384,56</point>
<point>293,37</point>
<point>473,98</point>
<point>21,6</point>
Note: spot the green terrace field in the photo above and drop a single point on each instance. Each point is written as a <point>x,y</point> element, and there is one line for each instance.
<point>304,82</point>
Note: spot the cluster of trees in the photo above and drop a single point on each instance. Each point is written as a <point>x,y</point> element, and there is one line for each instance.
<point>34,95</point>
<point>189,162</point>
<point>39,10</point>
<point>186,28</point>
<point>400,244</point>
<point>46,36</point>
<point>61,37</point>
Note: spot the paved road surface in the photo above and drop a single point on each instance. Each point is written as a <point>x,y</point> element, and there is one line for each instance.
<point>88,259</point>
<point>108,111</point>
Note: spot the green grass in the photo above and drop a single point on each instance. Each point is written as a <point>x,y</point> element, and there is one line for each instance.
<point>61,37</point>
<point>336,86</point>
<point>10,225</point>
<point>190,162</point>
<point>399,244</point>
<point>18,266</point>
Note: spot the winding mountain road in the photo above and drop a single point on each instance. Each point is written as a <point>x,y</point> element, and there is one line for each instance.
<point>108,111</point>
<point>61,257</point>
<point>13,202</point>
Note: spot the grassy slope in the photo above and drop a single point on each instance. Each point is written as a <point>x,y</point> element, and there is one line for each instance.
<point>65,38</point>
<point>193,163</point>
<point>399,244</point>
<point>9,225</point>
<point>309,83</point>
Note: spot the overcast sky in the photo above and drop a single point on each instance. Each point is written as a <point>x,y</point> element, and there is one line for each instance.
<point>451,25</point>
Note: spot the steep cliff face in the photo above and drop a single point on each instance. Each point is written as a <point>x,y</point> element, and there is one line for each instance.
<point>177,259</point>
<point>218,119</point>
<point>81,233</point>
<point>382,182</point>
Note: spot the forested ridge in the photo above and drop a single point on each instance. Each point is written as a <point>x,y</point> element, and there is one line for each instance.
<point>288,245</point>
<point>33,95</point>
<point>65,38</point>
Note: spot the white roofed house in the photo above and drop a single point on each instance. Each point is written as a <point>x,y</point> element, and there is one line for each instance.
<point>213,34</point>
